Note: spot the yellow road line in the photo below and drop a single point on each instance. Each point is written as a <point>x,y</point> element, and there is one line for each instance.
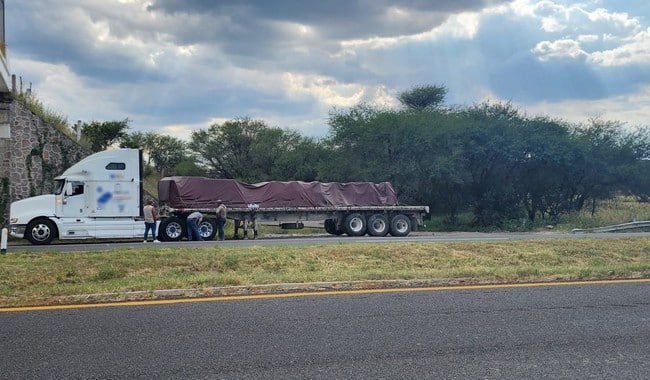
<point>318,293</point>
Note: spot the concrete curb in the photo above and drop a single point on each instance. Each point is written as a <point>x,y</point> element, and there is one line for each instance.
<point>228,291</point>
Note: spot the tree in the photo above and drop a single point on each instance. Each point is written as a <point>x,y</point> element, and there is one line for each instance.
<point>611,155</point>
<point>422,97</point>
<point>301,160</point>
<point>139,140</point>
<point>162,152</point>
<point>247,150</point>
<point>101,135</point>
<point>189,167</point>
<point>166,153</point>
<point>546,170</point>
<point>425,165</point>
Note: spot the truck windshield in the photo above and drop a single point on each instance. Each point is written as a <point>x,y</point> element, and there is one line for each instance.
<point>58,186</point>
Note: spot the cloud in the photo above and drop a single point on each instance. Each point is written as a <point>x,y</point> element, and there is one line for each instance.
<point>632,109</point>
<point>170,65</point>
<point>547,50</point>
<point>633,50</point>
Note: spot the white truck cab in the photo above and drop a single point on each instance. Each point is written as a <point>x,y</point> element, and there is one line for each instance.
<point>98,197</point>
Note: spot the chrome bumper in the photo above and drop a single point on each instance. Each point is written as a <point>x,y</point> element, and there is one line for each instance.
<point>17,230</point>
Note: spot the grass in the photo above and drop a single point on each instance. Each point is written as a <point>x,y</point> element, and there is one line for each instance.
<point>52,278</point>
<point>55,278</point>
<point>609,212</point>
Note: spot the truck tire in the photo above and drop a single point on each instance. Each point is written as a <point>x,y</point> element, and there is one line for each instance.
<point>330,228</point>
<point>355,225</point>
<point>208,229</point>
<point>40,231</point>
<point>378,225</point>
<point>171,229</point>
<point>400,225</point>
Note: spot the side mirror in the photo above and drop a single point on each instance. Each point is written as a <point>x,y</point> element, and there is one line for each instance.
<point>68,189</point>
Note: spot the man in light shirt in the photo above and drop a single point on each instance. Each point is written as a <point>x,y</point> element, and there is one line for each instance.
<point>221,219</point>
<point>150,216</point>
<point>193,222</point>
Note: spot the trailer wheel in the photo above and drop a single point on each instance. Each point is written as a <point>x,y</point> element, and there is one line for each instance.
<point>208,228</point>
<point>171,229</point>
<point>40,231</point>
<point>378,225</point>
<point>400,225</point>
<point>330,228</point>
<point>355,225</point>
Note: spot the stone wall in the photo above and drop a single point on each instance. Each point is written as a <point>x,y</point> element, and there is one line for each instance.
<point>5,155</point>
<point>32,156</point>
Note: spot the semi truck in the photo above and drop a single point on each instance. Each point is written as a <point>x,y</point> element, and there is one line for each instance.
<point>101,197</point>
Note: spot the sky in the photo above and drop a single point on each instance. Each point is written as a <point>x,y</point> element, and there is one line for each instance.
<point>174,66</point>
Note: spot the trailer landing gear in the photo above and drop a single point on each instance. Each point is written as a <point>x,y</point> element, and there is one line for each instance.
<point>245,224</point>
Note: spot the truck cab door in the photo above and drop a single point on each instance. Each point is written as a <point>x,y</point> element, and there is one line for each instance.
<point>71,210</point>
<point>72,202</point>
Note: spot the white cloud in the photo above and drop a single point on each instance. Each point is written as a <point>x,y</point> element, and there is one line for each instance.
<point>633,109</point>
<point>326,90</point>
<point>59,88</point>
<point>546,50</point>
<point>633,50</point>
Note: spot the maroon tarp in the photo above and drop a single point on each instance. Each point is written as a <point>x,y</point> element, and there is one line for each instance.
<point>201,192</point>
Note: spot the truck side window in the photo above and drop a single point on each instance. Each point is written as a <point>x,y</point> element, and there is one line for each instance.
<point>74,188</point>
<point>116,166</point>
<point>77,188</point>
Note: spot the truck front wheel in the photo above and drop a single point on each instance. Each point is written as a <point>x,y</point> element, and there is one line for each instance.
<point>171,229</point>
<point>40,231</point>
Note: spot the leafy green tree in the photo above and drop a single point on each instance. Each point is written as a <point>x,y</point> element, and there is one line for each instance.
<point>636,177</point>
<point>189,167</point>
<point>545,169</point>
<point>301,160</point>
<point>418,151</point>
<point>610,154</point>
<point>103,134</point>
<point>166,153</point>
<point>162,152</point>
<point>141,140</point>
<point>421,97</point>
<point>246,149</point>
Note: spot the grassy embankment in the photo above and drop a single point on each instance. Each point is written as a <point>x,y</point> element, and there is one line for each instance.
<point>50,277</point>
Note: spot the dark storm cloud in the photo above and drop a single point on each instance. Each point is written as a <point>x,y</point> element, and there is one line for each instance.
<point>334,18</point>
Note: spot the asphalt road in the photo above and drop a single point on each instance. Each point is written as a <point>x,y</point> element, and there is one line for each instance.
<point>559,332</point>
<point>95,245</point>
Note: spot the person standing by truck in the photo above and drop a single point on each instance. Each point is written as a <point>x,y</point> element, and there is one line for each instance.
<point>150,216</point>
<point>221,219</point>
<point>193,221</point>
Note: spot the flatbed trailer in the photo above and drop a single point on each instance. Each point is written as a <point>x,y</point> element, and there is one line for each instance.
<point>336,220</point>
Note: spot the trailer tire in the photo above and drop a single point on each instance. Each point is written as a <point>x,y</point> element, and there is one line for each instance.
<point>355,225</point>
<point>330,228</point>
<point>400,225</point>
<point>378,225</point>
<point>41,231</point>
<point>171,229</point>
<point>208,228</point>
